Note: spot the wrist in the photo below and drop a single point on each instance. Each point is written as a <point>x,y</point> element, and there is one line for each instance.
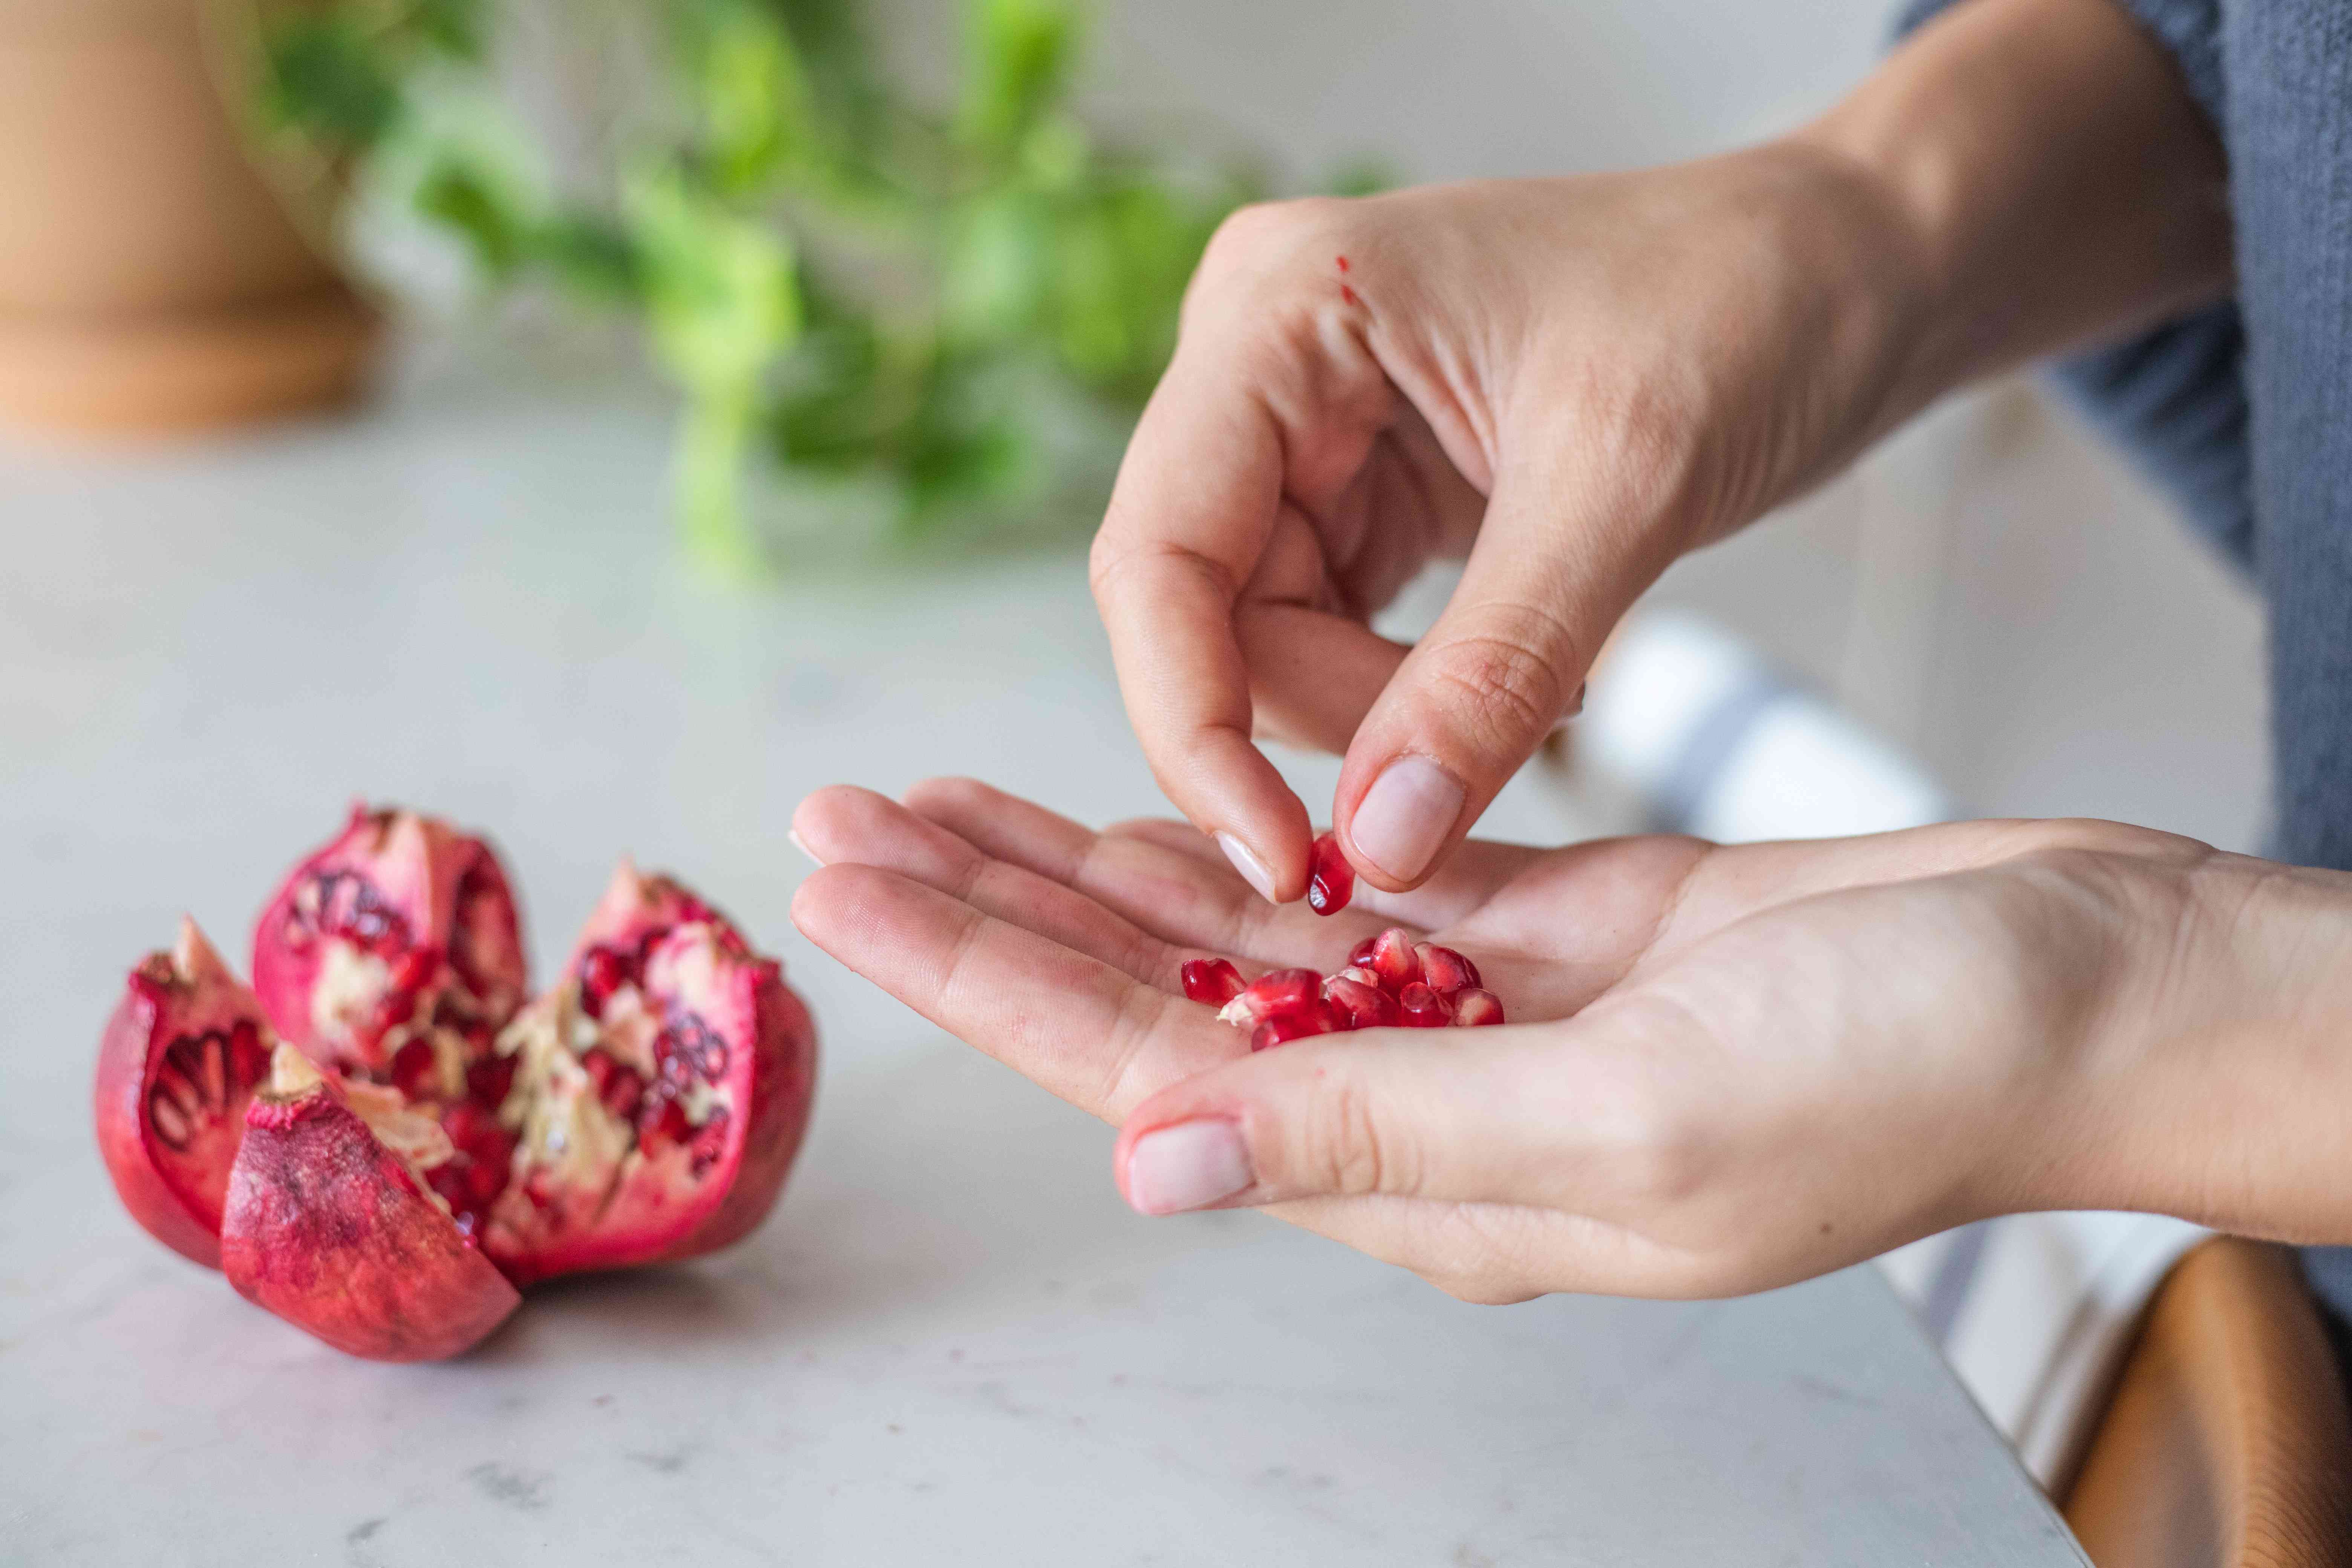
<point>2217,1084</point>
<point>2058,181</point>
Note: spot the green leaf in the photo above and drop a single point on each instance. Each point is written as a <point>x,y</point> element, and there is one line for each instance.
<point>324,76</point>
<point>999,272</point>
<point>450,27</point>
<point>590,254</point>
<point>753,96</point>
<point>462,197</point>
<point>1364,176</point>
<point>1022,52</point>
<point>721,292</point>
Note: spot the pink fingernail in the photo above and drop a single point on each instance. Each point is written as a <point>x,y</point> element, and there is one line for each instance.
<point>802,845</point>
<point>1188,1166</point>
<point>1406,816</point>
<point>1254,871</point>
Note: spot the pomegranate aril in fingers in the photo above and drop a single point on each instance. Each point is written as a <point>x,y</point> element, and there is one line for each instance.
<point>1364,1006</point>
<point>1330,880</point>
<point>1423,1009</point>
<point>1282,992</point>
<point>1212,980</point>
<point>1444,971</point>
<point>1474,1007</point>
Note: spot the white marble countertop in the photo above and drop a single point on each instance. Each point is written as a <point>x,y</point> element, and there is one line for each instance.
<point>952,1341</point>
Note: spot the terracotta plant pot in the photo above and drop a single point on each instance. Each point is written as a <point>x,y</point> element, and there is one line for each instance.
<point>149,277</point>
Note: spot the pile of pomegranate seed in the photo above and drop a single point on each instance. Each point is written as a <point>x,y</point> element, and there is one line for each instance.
<point>1391,982</point>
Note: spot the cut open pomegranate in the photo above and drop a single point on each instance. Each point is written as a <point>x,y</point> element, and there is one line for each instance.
<point>426,1142</point>
<point>181,1058</point>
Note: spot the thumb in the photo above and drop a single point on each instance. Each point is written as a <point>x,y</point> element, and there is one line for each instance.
<point>1433,1113</point>
<point>1503,665</point>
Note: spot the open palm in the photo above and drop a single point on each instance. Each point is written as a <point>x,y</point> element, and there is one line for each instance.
<point>1725,1069</point>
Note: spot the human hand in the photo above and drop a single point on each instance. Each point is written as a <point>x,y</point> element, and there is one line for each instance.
<point>1726,1068</point>
<point>1569,381</point>
<point>1572,380</point>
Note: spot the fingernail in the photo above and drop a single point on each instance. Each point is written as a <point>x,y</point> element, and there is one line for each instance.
<point>1187,1166</point>
<point>798,843</point>
<point>1405,816</point>
<point>1254,871</point>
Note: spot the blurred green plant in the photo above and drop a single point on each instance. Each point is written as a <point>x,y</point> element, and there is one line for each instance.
<point>851,283</point>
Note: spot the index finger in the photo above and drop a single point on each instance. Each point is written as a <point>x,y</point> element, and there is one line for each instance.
<point>1189,517</point>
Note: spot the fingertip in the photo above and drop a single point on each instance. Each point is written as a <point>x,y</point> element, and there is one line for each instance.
<point>823,820</point>
<point>1233,793</point>
<point>812,903</point>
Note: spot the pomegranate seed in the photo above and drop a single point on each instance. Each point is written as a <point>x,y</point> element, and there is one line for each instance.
<point>603,971</point>
<point>1474,1007</point>
<point>1423,1009</point>
<point>415,1069</point>
<point>1393,959</point>
<point>489,1077</point>
<point>619,1086</point>
<point>666,1125</point>
<point>1212,980</point>
<point>1364,1006</point>
<point>248,1057</point>
<point>1361,976</point>
<point>1284,1027</point>
<point>1330,880</point>
<point>709,1142</point>
<point>1280,994</point>
<point>1445,970</point>
<point>1360,955</point>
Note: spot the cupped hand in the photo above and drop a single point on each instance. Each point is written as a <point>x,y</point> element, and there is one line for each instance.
<point>1725,1069</point>
<point>1569,381</point>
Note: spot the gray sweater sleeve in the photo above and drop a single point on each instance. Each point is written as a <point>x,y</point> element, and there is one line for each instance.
<point>2175,396</point>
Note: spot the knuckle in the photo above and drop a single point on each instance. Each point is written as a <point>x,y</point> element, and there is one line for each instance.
<point>1349,1149</point>
<point>1501,687</point>
<point>2060,839</point>
<point>1260,234</point>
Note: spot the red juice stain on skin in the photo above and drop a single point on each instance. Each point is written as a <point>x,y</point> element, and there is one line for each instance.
<point>1348,294</point>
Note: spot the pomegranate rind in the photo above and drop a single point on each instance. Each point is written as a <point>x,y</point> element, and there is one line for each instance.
<point>175,1194</point>
<point>458,911</point>
<point>327,1228</point>
<point>651,1205</point>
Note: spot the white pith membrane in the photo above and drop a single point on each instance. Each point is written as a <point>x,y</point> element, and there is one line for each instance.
<point>572,1155</point>
<point>351,981</point>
